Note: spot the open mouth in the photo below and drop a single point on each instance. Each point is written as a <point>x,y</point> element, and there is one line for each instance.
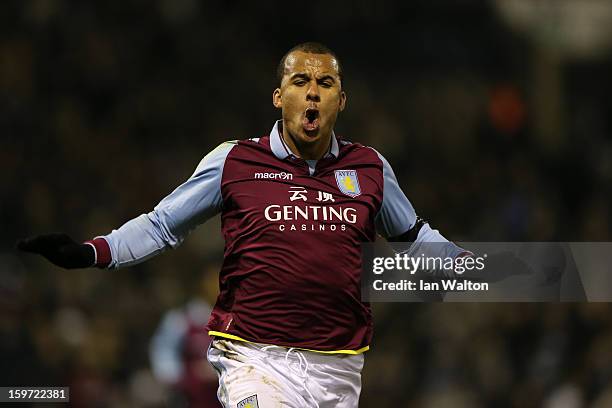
<point>311,119</point>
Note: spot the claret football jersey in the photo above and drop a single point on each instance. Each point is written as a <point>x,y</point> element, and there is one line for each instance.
<point>292,230</point>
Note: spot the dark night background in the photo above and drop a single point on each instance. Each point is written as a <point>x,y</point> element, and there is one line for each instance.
<point>495,115</point>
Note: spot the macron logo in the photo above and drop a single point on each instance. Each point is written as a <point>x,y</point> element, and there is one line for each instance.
<point>274,176</point>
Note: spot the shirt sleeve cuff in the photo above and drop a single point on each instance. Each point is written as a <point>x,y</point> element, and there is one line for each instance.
<point>102,252</point>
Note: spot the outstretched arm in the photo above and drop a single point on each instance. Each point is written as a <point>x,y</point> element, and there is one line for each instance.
<point>397,221</point>
<point>190,204</point>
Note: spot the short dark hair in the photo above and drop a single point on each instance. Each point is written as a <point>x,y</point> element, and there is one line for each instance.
<point>311,48</point>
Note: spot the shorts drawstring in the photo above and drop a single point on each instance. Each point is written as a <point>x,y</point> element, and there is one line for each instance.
<point>302,370</point>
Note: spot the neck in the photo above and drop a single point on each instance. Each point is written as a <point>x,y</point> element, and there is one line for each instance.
<point>310,151</point>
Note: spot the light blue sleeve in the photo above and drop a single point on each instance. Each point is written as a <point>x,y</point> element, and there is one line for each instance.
<point>397,217</point>
<point>189,205</point>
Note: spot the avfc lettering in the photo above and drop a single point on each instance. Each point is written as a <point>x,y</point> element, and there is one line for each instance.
<point>348,182</point>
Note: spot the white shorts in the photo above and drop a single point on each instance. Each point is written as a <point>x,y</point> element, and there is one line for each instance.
<point>263,376</point>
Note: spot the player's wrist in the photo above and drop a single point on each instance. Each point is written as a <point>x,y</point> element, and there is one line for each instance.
<point>101,252</point>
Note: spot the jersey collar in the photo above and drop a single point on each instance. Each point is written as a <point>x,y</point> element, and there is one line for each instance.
<point>282,151</point>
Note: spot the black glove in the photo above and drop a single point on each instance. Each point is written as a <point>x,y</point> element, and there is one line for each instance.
<point>60,249</point>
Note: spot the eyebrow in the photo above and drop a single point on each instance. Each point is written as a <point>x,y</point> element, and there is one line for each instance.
<point>301,75</point>
<point>324,77</point>
<point>304,75</point>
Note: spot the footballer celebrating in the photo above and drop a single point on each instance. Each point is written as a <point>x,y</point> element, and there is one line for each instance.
<point>289,325</point>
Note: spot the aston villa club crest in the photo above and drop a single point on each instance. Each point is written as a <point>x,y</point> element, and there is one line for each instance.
<point>348,183</point>
<point>250,402</point>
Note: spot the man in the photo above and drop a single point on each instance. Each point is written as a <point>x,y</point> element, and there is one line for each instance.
<point>289,325</point>
<point>177,358</point>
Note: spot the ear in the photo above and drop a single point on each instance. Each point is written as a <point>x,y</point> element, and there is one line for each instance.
<point>277,99</point>
<point>342,100</point>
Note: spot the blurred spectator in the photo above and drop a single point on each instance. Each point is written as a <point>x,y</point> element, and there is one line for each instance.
<point>178,356</point>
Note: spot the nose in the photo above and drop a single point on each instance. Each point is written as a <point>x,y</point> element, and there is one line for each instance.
<point>313,92</point>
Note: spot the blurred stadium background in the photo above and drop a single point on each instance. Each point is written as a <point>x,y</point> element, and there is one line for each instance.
<point>496,116</point>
